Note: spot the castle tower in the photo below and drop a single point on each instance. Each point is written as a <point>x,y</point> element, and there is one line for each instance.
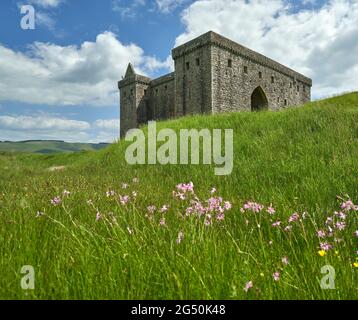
<point>133,100</point>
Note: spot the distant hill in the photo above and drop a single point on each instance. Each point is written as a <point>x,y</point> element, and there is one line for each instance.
<point>48,146</point>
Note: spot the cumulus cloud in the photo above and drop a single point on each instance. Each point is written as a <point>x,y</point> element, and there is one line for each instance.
<point>70,75</point>
<point>47,127</point>
<point>41,123</point>
<point>320,43</point>
<point>169,5</point>
<point>112,124</point>
<point>47,3</point>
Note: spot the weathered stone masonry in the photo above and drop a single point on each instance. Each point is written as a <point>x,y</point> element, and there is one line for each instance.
<point>212,74</point>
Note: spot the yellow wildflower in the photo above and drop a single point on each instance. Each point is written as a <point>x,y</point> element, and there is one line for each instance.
<point>355,264</point>
<point>322,253</point>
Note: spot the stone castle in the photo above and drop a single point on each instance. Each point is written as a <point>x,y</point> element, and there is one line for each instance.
<point>212,74</point>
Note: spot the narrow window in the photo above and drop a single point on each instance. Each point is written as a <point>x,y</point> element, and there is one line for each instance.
<point>132,92</point>
<point>260,75</point>
<point>145,92</point>
<point>166,87</point>
<point>197,61</point>
<point>298,88</point>
<point>229,63</point>
<point>156,91</point>
<point>272,79</point>
<point>278,99</point>
<point>285,102</point>
<point>304,88</point>
<point>245,69</point>
<point>187,66</point>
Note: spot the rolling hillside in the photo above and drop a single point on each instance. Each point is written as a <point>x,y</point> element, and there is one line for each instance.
<point>91,231</point>
<point>48,147</point>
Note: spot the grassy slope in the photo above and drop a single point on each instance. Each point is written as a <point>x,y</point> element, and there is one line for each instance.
<point>46,147</point>
<point>298,159</point>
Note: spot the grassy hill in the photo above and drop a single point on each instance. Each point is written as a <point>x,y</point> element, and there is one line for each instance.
<point>48,146</point>
<point>97,243</point>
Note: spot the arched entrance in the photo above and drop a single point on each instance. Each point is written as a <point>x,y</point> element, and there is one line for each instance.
<point>258,100</point>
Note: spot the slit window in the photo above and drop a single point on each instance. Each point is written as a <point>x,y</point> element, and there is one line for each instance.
<point>285,102</point>
<point>229,63</point>
<point>272,79</point>
<point>245,69</point>
<point>145,92</point>
<point>260,75</point>
<point>304,88</point>
<point>298,88</point>
<point>197,61</point>
<point>187,66</point>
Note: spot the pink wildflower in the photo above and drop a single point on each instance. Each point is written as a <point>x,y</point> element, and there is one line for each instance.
<point>98,216</point>
<point>182,187</point>
<point>162,222</point>
<point>276,224</point>
<point>56,201</point>
<point>213,190</point>
<point>164,208</point>
<point>340,225</point>
<point>208,220</point>
<point>220,217</point>
<point>276,276</point>
<point>125,185</point>
<point>110,193</point>
<point>294,217</point>
<point>66,193</point>
<point>180,237</point>
<point>325,246</point>
<point>248,286</point>
<point>123,199</point>
<point>151,209</point>
<point>321,234</point>
<point>271,210</point>
<point>227,205</point>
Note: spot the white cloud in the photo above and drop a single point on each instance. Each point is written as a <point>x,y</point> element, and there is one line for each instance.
<point>47,3</point>
<point>169,5</point>
<point>49,127</point>
<point>127,10</point>
<point>112,124</point>
<point>41,123</point>
<point>70,75</point>
<point>320,43</point>
<point>45,19</point>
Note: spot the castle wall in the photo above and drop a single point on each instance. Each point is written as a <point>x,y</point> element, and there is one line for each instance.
<point>193,80</point>
<point>235,81</point>
<point>162,97</point>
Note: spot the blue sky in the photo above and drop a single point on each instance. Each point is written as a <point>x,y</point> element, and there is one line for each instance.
<point>59,80</point>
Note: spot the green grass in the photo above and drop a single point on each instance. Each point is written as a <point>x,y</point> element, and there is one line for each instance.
<point>298,159</point>
<point>48,146</point>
